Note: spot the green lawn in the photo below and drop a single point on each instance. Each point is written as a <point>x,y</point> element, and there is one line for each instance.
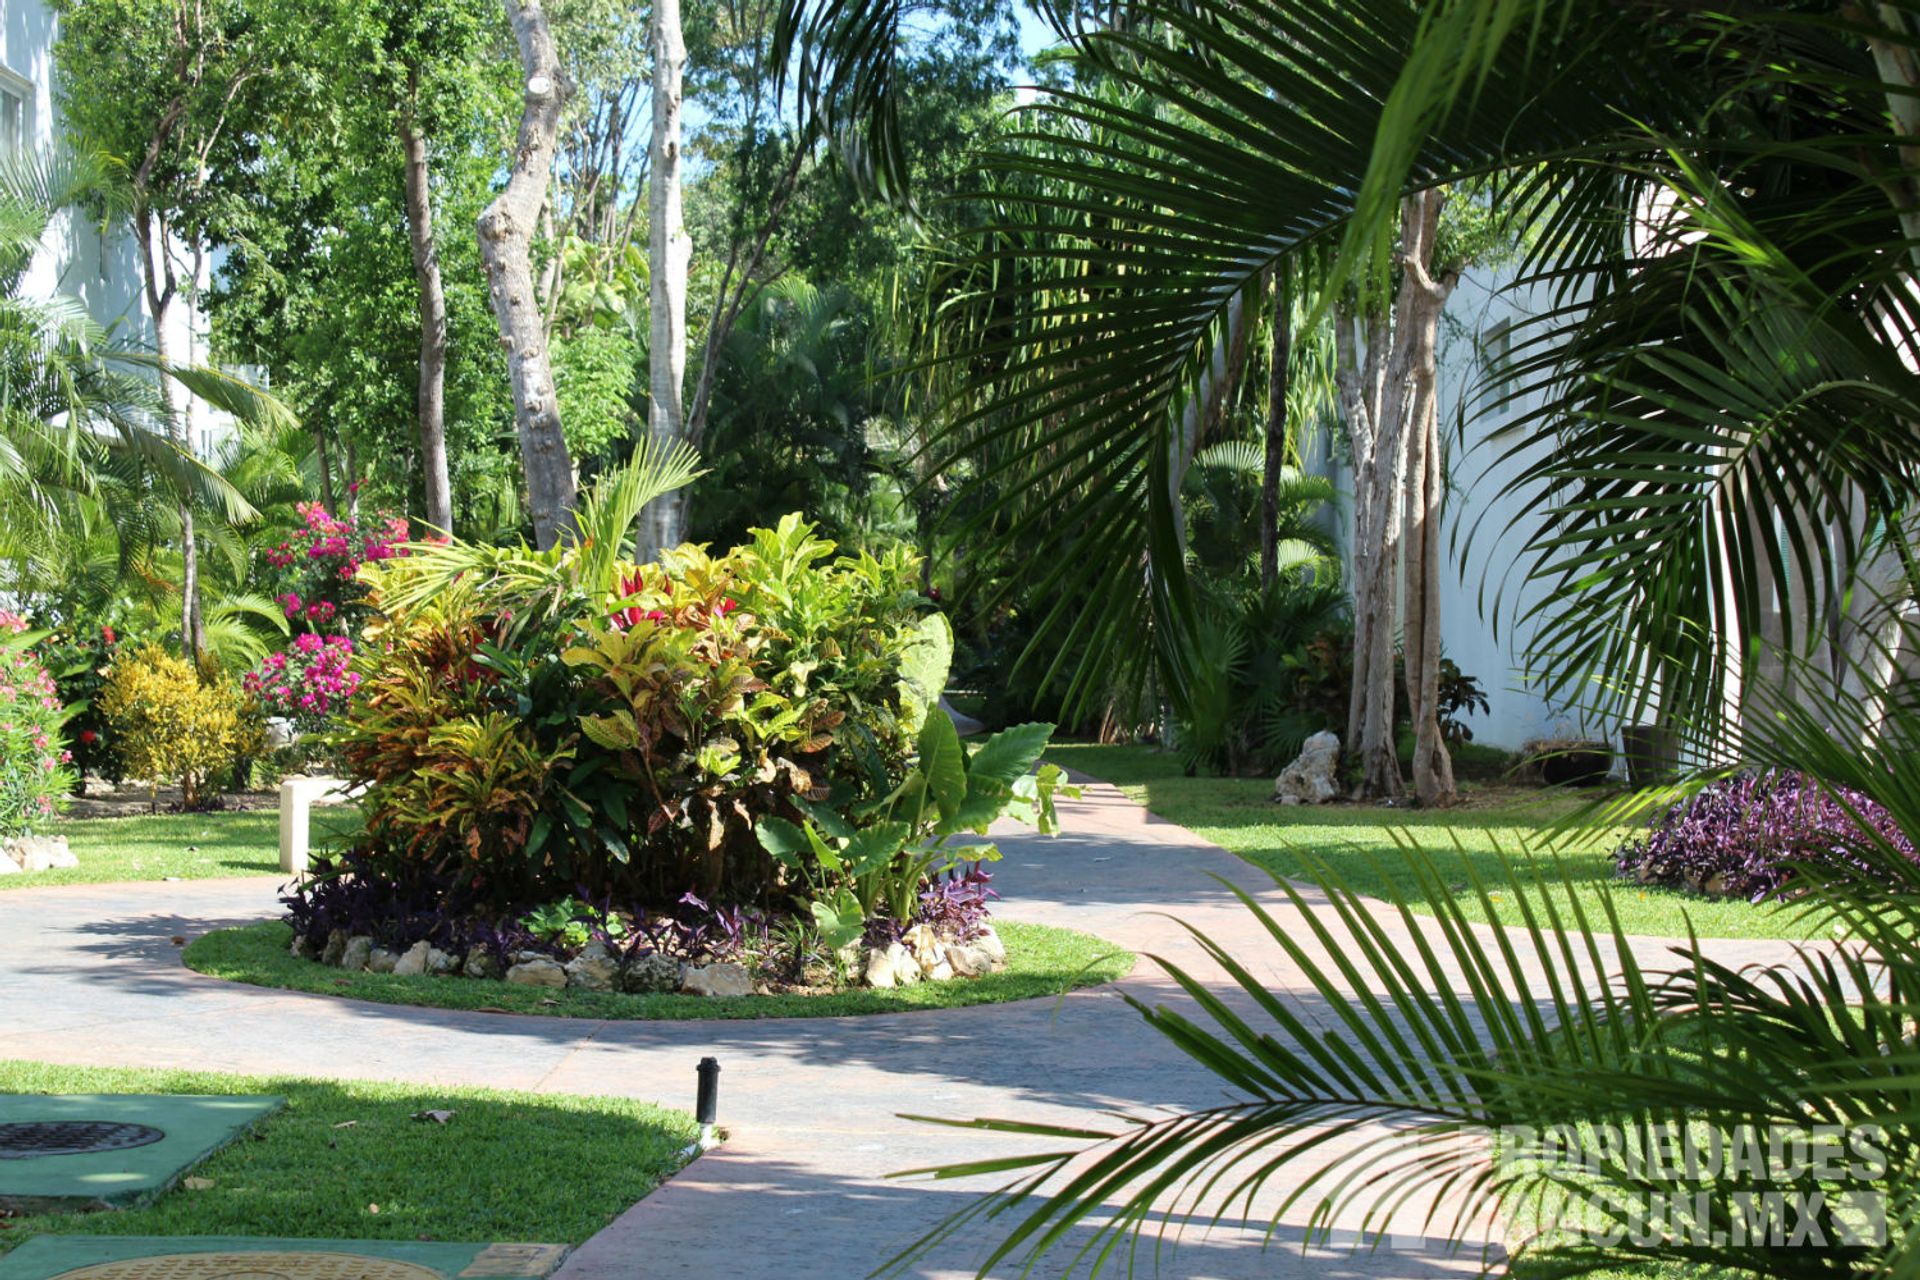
<point>1365,844</point>
<point>179,846</point>
<point>1041,961</point>
<point>345,1160</point>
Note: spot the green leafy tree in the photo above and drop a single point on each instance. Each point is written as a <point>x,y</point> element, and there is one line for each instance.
<point>171,89</point>
<point>340,276</point>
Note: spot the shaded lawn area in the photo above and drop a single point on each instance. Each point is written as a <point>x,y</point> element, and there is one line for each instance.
<point>1042,961</point>
<point>181,846</point>
<point>1364,843</point>
<point>346,1160</point>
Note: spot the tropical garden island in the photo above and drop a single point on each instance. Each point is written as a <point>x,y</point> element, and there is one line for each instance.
<point>938,638</point>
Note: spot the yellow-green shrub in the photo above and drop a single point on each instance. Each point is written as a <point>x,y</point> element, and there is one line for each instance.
<point>168,723</point>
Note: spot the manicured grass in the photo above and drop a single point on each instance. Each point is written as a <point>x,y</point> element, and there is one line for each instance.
<point>1365,844</point>
<point>345,1160</point>
<point>180,846</point>
<point>1041,961</point>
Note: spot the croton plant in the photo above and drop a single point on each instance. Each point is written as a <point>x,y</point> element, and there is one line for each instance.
<point>533,724</point>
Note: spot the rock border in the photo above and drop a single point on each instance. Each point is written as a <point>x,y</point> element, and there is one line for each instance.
<point>923,955</point>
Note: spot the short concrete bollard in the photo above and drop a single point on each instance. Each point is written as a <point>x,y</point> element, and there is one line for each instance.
<point>298,795</point>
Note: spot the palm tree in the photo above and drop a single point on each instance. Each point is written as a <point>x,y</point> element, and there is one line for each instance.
<point>85,443</point>
<point>1724,214</point>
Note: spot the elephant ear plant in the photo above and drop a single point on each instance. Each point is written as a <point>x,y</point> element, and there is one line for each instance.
<point>872,858</point>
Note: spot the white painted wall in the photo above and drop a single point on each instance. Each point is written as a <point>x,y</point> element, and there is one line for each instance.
<point>77,258</point>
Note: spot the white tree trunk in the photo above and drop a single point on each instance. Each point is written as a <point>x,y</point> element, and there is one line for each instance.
<point>1373,415</point>
<point>1433,782</point>
<point>159,284</point>
<point>1433,766</point>
<point>669,251</point>
<point>432,398</point>
<point>1894,61</point>
<point>506,230</point>
<point>1387,396</point>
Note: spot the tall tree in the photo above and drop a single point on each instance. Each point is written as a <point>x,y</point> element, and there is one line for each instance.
<point>506,228</point>
<point>85,441</point>
<point>1386,374</point>
<point>169,87</point>
<point>1274,434</point>
<point>432,406</point>
<point>669,254</point>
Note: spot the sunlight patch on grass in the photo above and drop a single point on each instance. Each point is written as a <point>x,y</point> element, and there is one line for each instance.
<point>181,846</point>
<point>1366,844</point>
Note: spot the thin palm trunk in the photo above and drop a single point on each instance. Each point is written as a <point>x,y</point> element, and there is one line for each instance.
<point>161,289</point>
<point>432,395</point>
<point>1276,433</point>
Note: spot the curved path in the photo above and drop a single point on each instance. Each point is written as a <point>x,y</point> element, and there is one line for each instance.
<point>799,1191</point>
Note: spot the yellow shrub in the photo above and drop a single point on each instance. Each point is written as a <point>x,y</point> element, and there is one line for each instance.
<point>168,723</point>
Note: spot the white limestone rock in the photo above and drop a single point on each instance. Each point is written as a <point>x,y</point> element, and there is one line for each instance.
<point>480,963</point>
<point>1313,778</point>
<point>38,853</point>
<point>724,979</point>
<point>414,962</point>
<point>651,973</point>
<point>594,969</point>
<point>357,952</point>
<point>537,971</point>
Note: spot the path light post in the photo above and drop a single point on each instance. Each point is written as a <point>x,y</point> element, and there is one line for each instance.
<point>706,1107</point>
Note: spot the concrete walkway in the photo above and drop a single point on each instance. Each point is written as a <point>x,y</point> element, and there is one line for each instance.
<point>799,1192</point>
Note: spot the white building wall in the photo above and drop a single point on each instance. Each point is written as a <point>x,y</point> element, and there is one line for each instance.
<point>78,258</point>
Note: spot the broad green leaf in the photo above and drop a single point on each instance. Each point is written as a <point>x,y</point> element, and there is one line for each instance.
<point>943,761</point>
<point>924,665</point>
<point>875,847</point>
<point>1009,754</point>
<point>786,842</point>
<point>824,817</point>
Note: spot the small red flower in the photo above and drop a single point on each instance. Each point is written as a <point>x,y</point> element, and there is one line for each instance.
<point>89,737</point>
<point>106,634</point>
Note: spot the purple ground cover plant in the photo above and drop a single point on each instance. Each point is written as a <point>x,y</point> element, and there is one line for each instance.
<point>1741,837</point>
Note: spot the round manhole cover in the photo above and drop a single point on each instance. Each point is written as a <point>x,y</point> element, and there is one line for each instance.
<point>71,1138</point>
<point>254,1266</point>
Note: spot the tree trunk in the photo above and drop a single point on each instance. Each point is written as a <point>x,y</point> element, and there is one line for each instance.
<point>1433,782</point>
<point>432,397</point>
<point>1276,437</point>
<point>663,523</point>
<point>158,283</point>
<point>1387,395</point>
<point>1370,405</point>
<point>506,229</point>
<point>1896,64</point>
<point>324,458</point>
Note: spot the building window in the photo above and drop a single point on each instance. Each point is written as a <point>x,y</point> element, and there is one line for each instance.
<point>16,114</point>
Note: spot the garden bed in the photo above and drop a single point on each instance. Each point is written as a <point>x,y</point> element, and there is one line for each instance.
<point>1042,961</point>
